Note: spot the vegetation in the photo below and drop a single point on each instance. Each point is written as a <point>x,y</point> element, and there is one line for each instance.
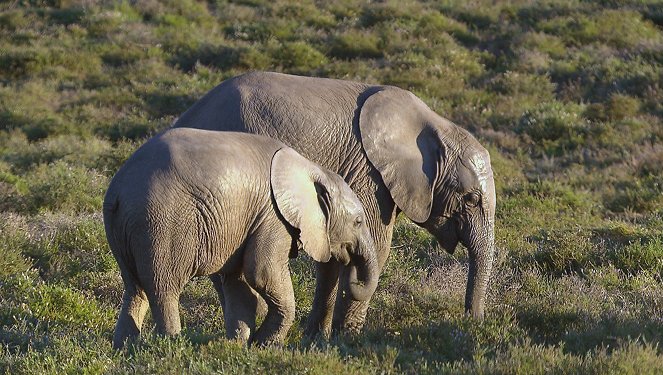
<point>567,94</point>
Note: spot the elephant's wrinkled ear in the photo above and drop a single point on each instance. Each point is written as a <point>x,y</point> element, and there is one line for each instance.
<point>296,185</point>
<point>406,152</point>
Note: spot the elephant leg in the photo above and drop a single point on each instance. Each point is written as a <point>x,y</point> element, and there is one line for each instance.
<point>240,308</point>
<point>166,313</point>
<point>319,321</point>
<point>276,288</point>
<point>217,281</point>
<point>130,321</point>
<point>266,271</point>
<point>164,300</point>
<point>349,314</point>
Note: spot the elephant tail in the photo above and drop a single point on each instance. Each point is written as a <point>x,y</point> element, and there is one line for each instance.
<point>119,239</point>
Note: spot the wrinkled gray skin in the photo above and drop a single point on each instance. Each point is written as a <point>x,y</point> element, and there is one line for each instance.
<point>193,202</point>
<point>393,151</point>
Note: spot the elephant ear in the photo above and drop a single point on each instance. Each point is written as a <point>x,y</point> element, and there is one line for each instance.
<point>403,147</point>
<point>300,190</point>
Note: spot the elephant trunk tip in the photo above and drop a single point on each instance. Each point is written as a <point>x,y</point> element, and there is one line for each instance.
<point>477,314</point>
<point>363,280</point>
<point>361,290</point>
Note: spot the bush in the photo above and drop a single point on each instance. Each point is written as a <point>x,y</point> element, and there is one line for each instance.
<point>353,44</point>
<point>74,149</point>
<point>434,23</point>
<point>62,187</point>
<point>620,107</point>
<point>641,195</point>
<point>555,126</point>
<point>13,237</point>
<point>621,29</point>
<point>63,247</point>
<point>222,57</point>
<point>563,252</point>
<point>643,255</point>
<point>299,57</point>
<point>48,307</point>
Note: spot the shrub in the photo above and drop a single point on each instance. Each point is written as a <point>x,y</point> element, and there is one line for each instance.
<point>555,126</point>
<point>74,149</point>
<point>548,44</point>
<point>518,92</point>
<point>563,251</point>
<point>103,24</point>
<point>433,23</point>
<point>640,195</point>
<point>385,12</point>
<point>621,106</point>
<point>222,57</point>
<point>13,20</point>
<point>13,237</point>
<point>353,44</point>
<point>118,55</point>
<point>622,29</point>
<point>51,307</point>
<point>62,187</point>
<point>514,83</point>
<point>63,247</point>
<point>109,161</point>
<point>644,255</point>
<point>133,127</point>
<point>299,57</point>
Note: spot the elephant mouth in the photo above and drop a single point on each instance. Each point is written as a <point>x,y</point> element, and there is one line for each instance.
<point>446,235</point>
<point>449,245</point>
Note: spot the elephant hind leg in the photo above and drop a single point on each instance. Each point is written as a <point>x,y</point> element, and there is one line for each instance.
<point>130,321</point>
<point>166,312</point>
<point>218,282</point>
<point>164,297</point>
<point>240,309</point>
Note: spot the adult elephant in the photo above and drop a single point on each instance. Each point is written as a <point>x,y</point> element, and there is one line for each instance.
<point>393,151</point>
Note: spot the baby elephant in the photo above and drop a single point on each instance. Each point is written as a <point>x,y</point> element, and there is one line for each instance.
<point>193,202</point>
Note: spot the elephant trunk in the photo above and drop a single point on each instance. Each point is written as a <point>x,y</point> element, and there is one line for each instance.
<point>481,264</point>
<point>364,270</point>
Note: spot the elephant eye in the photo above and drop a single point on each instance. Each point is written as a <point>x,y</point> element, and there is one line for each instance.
<point>472,199</point>
<point>358,221</point>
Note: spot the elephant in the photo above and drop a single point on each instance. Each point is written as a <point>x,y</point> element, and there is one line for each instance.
<point>396,154</point>
<point>192,202</point>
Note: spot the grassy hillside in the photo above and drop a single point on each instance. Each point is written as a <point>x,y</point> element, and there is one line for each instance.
<point>567,95</point>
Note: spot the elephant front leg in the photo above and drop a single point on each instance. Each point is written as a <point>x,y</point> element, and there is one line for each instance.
<point>319,321</point>
<point>274,284</point>
<point>349,314</point>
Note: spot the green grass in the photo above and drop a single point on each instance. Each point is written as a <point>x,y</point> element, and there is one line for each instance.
<point>567,95</point>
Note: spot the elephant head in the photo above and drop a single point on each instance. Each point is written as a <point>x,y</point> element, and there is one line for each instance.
<point>438,175</point>
<point>329,217</point>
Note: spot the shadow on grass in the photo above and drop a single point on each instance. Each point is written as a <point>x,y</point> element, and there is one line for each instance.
<point>465,339</point>
<point>579,332</point>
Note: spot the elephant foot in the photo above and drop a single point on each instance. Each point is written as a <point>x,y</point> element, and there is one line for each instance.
<point>349,317</point>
